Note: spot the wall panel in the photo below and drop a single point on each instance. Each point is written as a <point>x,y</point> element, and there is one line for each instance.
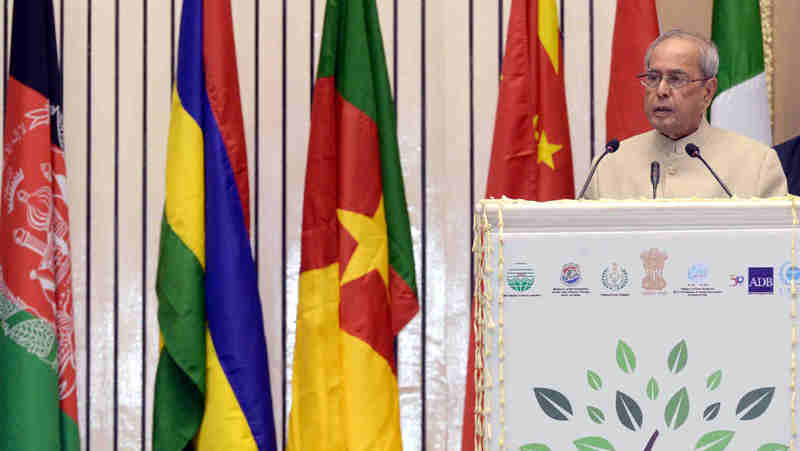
<point>128,220</point>
<point>443,59</point>
<point>271,139</point>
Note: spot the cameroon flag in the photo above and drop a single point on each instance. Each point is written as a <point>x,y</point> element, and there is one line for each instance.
<point>357,283</point>
<point>38,394</point>
<point>212,384</point>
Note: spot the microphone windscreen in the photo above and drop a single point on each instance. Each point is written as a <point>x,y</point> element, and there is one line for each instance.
<point>692,150</point>
<point>612,145</point>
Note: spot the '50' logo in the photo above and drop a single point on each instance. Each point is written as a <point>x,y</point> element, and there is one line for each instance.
<point>736,280</point>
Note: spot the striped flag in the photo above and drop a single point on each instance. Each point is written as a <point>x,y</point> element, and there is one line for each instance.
<point>741,103</point>
<point>531,153</point>
<point>212,383</point>
<point>357,283</point>
<point>38,394</point>
<point>635,27</point>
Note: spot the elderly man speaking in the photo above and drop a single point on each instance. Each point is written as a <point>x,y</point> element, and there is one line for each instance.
<point>680,81</point>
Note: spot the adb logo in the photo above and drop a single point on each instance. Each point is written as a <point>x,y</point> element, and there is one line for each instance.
<point>760,280</point>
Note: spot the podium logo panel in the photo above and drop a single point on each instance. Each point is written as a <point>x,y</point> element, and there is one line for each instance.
<point>521,277</point>
<point>571,274</point>
<point>653,261</point>
<point>615,277</point>
<point>760,280</point>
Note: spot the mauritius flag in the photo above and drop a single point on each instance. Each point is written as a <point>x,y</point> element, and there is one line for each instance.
<point>357,283</point>
<point>212,385</point>
<point>37,340</point>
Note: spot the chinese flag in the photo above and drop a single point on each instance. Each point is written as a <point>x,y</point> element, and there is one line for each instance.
<point>636,26</point>
<point>531,156</point>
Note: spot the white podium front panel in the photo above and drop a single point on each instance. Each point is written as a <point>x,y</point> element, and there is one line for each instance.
<point>666,325</point>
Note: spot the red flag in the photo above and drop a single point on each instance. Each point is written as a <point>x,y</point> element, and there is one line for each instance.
<point>636,26</point>
<point>531,154</point>
<point>531,157</point>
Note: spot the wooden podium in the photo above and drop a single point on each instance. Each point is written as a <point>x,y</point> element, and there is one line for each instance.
<point>634,325</point>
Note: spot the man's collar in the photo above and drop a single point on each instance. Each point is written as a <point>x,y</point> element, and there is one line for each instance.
<point>678,145</point>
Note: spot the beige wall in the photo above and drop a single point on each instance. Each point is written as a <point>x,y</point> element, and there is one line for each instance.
<point>446,102</point>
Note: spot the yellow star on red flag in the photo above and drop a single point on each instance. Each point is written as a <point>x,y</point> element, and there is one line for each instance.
<point>372,251</point>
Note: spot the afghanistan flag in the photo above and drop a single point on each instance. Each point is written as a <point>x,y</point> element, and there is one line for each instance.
<point>531,156</point>
<point>357,283</point>
<point>635,27</point>
<point>741,103</point>
<point>212,383</point>
<point>37,340</point>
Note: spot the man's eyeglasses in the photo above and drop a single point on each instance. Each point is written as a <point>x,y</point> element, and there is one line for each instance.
<point>675,80</point>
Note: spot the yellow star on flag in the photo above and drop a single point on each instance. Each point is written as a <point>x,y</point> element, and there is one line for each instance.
<point>372,251</point>
<point>546,151</point>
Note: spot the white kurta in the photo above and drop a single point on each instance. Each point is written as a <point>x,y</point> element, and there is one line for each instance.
<point>747,167</point>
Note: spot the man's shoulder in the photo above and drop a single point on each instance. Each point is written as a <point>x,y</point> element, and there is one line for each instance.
<point>734,142</point>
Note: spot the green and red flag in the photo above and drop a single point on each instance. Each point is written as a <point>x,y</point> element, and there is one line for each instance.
<point>531,153</point>
<point>38,392</point>
<point>212,388</point>
<point>357,282</point>
<point>741,103</point>
<point>635,27</point>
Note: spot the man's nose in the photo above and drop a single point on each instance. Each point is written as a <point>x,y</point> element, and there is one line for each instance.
<point>662,88</point>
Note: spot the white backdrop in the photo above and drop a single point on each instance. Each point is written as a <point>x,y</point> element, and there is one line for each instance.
<point>444,59</point>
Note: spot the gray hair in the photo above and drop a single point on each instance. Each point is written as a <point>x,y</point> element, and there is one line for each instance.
<point>709,54</point>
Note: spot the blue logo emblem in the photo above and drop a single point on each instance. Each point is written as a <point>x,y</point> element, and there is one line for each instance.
<point>698,273</point>
<point>571,274</point>
<point>789,272</point>
<point>760,280</point>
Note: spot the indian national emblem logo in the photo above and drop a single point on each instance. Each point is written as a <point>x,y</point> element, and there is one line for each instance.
<point>614,277</point>
<point>653,261</point>
<point>571,274</point>
<point>520,277</point>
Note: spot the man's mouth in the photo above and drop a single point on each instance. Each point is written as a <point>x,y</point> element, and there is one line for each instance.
<point>662,110</point>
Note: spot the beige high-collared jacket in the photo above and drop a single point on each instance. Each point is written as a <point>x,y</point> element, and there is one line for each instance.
<point>747,167</point>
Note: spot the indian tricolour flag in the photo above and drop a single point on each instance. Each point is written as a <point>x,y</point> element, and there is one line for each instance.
<point>741,103</point>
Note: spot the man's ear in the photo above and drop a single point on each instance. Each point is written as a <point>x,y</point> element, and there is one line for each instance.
<point>711,88</point>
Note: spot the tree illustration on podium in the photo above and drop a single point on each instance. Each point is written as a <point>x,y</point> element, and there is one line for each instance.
<point>557,406</point>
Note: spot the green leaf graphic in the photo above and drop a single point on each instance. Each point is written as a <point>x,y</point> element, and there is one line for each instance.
<point>596,414</point>
<point>711,412</point>
<point>773,447</point>
<point>652,389</point>
<point>628,411</point>
<point>625,357</point>
<point>594,380</point>
<point>677,409</point>
<point>548,400</point>
<point>713,381</point>
<point>593,444</point>
<point>534,447</point>
<point>714,441</point>
<point>678,357</point>
<point>755,403</point>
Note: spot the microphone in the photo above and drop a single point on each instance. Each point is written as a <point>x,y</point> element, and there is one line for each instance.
<point>694,152</point>
<point>611,147</point>
<point>655,174</point>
